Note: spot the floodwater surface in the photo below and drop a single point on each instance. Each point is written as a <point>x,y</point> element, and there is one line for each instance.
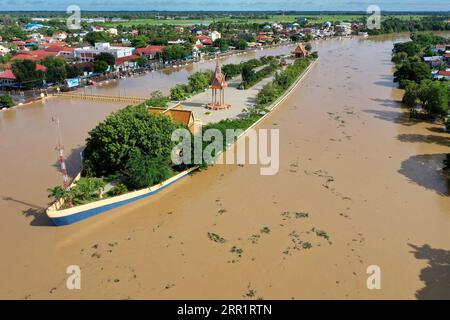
<point>359,185</point>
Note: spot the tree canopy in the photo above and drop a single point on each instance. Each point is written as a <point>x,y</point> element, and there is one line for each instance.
<point>125,133</point>
<point>412,69</point>
<point>26,73</point>
<point>96,37</point>
<point>56,69</point>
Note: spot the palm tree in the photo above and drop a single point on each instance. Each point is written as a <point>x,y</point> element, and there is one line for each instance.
<point>58,193</point>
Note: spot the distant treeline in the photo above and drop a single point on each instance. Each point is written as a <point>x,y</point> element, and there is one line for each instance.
<point>394,24</point>
<point>210,14</point>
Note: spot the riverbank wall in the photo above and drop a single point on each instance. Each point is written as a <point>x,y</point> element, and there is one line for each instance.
<point>72,215</point>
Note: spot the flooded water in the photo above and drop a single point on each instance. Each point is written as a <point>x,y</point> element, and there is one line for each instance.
<point>142,86</point>
<point>366,176</point>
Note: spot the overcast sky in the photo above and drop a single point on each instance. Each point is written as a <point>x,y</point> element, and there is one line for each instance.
<point>186,5</point>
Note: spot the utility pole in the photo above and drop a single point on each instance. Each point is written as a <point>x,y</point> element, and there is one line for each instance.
<point>62,161</point>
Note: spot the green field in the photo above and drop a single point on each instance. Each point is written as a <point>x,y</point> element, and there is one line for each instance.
<point>274,18</point>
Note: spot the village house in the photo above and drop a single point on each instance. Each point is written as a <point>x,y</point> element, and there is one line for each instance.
<point>441,75</point>
<point>96,29</point>
<point>434,61</point>
<point>151,52</point>
<point>179,29</point>
<point>112,31</point>
<point>343,29</point>
<point>60,36</point>
<point>67,53</point>
<point>35,55</point>
<point>215,35</point>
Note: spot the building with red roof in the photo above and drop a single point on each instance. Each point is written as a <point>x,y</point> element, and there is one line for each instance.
<point>8,79</point>
<point>444,74</point>
<point>35,55</point>
<point>67,53</point>
<point>150,52</point>
<point>125,61</point>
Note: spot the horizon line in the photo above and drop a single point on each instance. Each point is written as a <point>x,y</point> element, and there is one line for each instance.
<point>237,10</point>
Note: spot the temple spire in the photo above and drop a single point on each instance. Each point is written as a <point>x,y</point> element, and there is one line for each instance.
<point>218,85</point>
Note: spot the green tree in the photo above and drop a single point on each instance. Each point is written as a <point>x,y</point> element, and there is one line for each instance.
<point>174,52</point>
<point>86,190</point>
<point>100,66</point>
<point>10,32</point>
<point>410,96</point>
<point>6,101</point>
<point>97,37</point>
<point>56,69</point>
<point>248,75</point>
<point>412,69</point>
<point>179,92</point>
<point>140,41</point>
<point>106,57</point>
<point>431,96</point>
<point>141,62</point>
<point>434,97</point>
<point>200,81</point>
<point>157,100</point>
<point>222,44</point>
<point>126,132</point>
<point>145,171</point>
<point>241,44</point>
<point>26,73</point>
<point>399,57</point>
<point>59,194</point>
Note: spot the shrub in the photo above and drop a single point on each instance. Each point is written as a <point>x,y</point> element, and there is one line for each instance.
<point>200,81</point>
<point>6,101</point>
<point>180,92</point>
<point>145,171</point>
<point>157,100</point>
<point>86,190</point>
<point>117,190</point>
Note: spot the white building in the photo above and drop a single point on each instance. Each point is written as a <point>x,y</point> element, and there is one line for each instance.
<point>176,41</point>
<point>112,31</point>
<point>87,54</point>
<point>343,29</point>
<point>97,29</point>
<point>215,35</point>
<point>61,36</point>
<point>4,50</point>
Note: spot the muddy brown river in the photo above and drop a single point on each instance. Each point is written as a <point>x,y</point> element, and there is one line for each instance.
<point>359,182</point>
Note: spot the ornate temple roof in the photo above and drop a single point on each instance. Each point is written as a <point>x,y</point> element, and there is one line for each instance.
<point>218,78</point>
<point>300,50</point>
